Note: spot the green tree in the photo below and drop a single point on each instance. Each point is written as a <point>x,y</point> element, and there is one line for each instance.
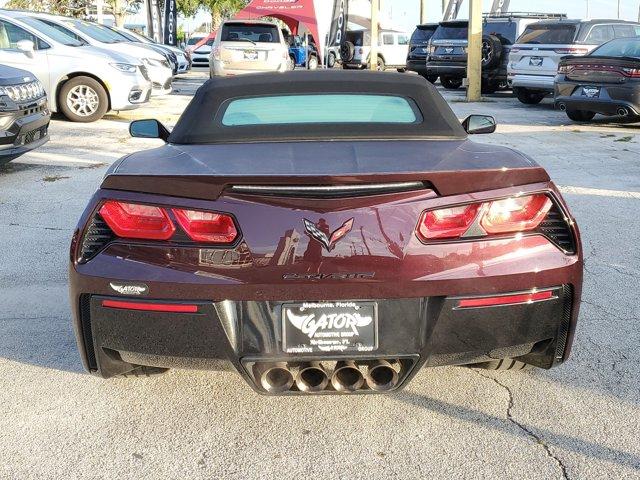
<point>121,8</point>
<point>221,9</point>
<point>71,8</point>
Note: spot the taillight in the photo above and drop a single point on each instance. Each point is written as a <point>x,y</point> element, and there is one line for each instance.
<point>631,72</point>
<point>447,222</point>
<point>132,220</point>
<point>518,214</point>
<point>564,69</point>
<point>215,52</point>
<point>510,215</point>
<point>204,226</point>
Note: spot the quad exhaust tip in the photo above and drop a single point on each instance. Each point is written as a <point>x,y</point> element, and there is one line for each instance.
<point>562,107</point>
<point>381,376</point>
<point>623,111</point>
<point>274,377</point>
<point>347,377</point>
<point>312,377</point>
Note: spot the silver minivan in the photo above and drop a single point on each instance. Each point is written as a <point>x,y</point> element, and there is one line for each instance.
<point>247,46</point>
<point>534,59</point>
<point>81,81</point>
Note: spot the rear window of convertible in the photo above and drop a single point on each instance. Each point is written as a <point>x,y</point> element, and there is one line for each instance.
<point>320,109</point>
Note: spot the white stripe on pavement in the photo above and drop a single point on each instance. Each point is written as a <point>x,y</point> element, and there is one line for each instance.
<point>599,192</point>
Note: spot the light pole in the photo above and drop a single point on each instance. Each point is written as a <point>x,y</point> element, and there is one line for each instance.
<point>373,57</point>
<point>474,51</point>
<point>423,11</point>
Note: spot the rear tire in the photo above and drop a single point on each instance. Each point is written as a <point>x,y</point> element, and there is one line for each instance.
<point>83,99</point>
<point>489,87</point>
<point>291,64</point>
<point>527,96</point>
<point>580,115</point>
<point>312,64</point>
<point>381,66</point>
<point>331,60</point>
<point>451,83</point>
<point>503,364</point>
<point>430,78</point>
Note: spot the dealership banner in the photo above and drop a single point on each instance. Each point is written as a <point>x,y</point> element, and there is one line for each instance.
<point>154,20</point>
<point>338,22</point>
<point>170,23</point>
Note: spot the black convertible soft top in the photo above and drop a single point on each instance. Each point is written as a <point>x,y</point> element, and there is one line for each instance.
<point>200,123</point>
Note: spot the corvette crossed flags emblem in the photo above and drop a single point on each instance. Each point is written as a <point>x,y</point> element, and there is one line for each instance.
<point>328,242</point>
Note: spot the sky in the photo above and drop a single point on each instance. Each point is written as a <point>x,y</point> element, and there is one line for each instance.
<point>406,13</point>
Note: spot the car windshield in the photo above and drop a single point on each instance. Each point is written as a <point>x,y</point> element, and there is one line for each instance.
<point>194,40</point>
<point>95,31</point>
<point>505,31</point>
<point>422,35</point>
<point>622,47</point>
<point>250,32</point>
<point>319,108</point>
<point>451,32</point>
<point>549,34</point>
<point>52,33</point>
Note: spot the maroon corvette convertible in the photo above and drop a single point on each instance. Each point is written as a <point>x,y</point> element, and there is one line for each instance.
<point>323,232</point>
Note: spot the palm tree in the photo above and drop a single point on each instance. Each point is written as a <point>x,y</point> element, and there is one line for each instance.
<point>221,9</point>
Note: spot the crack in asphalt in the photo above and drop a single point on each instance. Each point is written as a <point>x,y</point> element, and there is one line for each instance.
<point>36,227</point>
<point>531,434</point>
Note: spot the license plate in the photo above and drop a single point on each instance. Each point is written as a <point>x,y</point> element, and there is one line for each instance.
<point>591,92</point>
<point>250,55</point>
<point>329,327</point>
<point>536,61</point>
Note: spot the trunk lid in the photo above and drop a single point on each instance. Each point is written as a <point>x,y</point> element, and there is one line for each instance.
<point>598,69</point>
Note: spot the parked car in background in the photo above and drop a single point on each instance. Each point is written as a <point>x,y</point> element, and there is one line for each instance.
<point>193,41</point>
<point>24,116</point>
<point>606,81</point>
<point>534,59</point>
<point>82,82</point>
<point>447,55</point>
<point>248,46</point>
<point>298,52</point>
<point>418,45</point>
<point>182,64</point>
<point>200,55</point>
<point>393,46</point>
<point>158,68</point>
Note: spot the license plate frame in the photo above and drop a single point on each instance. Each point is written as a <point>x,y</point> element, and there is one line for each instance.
<point>329,327</point>
<point>536,61</point>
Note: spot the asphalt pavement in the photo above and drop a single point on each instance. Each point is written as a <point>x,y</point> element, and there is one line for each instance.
<point>578,421</point>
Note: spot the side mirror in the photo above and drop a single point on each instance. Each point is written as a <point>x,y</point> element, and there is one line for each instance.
<point>26,46</point>
<point>150,128</point>
<point>477,124</point>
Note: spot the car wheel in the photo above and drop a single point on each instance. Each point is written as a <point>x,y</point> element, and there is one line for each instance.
<point>527,96</point>
<point>580,115</point>
<point>291,64</point>
<point>431,78</point>
<point>504,364</point>
<point>83,99</point>
<point>451,83</point>
<point>401,70</point>
<point>312,64</point>
<point>489,87</point>
<point>347,51</point>
<point>380,67</point>
<point>331,61</point>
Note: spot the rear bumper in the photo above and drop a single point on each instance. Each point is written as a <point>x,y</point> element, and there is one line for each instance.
<point>612,97</point>
<point>533,82</point>
<point>220,69</point>
<point>447,69</point>
<point>417,65</point>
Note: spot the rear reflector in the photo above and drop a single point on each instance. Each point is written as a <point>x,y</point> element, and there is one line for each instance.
<point>150,307</point>
<point>505,299</point>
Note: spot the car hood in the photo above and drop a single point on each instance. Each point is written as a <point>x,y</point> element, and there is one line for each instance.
<point>204,171</point>
<point>14,76</point>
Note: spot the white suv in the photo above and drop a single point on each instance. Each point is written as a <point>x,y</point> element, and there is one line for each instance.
<point>393,47</point>
<point>246,46</point>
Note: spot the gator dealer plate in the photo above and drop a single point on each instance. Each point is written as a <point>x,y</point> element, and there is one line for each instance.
<point>330,327</point>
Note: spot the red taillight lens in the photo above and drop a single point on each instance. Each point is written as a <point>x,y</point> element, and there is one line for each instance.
<point>518,214</point>
<point>564,69</point>
<point>132,220</point>
<point>509,215</point>
<point>207,226</point>
<point>447,222</point>
<point>631,72</point>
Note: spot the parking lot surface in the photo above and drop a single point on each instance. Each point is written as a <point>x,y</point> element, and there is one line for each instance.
<point>578,421</point>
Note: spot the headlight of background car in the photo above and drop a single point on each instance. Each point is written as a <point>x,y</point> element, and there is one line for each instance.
<point>125,67</point>
<point>152,62</point>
